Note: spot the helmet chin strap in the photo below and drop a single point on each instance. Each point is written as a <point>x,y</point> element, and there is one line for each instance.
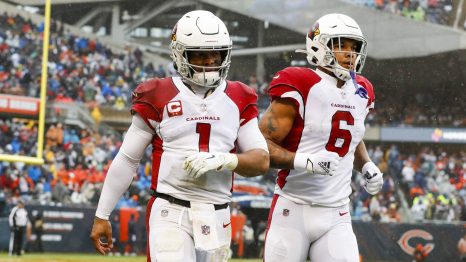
<point>341,73</point>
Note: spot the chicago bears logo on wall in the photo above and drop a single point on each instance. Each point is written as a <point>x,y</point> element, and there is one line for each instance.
<point>407,242</point>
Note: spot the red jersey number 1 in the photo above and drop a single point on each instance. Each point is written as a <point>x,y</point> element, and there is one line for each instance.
<point>203,129</point>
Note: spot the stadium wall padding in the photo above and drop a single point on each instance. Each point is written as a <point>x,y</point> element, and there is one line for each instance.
<point>393,241</point>
<point>68,230</point>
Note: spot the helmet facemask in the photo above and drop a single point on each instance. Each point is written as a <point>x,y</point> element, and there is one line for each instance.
<point>204,76</point>
<point>330,61</point>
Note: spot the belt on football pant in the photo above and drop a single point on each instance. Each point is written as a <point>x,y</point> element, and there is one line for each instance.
<point>181,202</point>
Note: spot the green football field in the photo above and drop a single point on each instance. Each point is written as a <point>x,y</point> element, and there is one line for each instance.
<point>54,257</point>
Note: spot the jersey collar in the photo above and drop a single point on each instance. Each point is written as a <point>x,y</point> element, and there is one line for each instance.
<point>327,77</point>
<point>186,91</point>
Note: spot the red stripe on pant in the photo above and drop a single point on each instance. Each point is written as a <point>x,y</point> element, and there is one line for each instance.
<point>269,222</point>
<point>148,211</point>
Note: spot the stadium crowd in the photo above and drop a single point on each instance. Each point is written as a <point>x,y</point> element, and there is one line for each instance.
<point>80,69</point>
<point>432,180</point>
<point>76,161</point>
<point>433,11</point>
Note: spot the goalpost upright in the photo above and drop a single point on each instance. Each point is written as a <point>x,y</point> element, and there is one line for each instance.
<point>38,159</point>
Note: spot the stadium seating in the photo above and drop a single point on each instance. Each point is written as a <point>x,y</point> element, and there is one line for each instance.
<point>433,11</point>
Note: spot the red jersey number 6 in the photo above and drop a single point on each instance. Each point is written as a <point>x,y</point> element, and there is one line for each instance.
<point>338,133</point>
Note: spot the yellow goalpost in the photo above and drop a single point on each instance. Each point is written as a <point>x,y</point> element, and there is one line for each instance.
<point>38,159</point>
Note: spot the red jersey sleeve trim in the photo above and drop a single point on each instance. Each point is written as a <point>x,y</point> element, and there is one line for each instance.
<point>150,98</point>
<point>276,92</point>
<point>245,99</point>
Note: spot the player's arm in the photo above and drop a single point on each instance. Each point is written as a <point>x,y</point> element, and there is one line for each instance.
<point>361,156</point>
<point>254,159</point>
<point>118,179</point>
<point>372,174</point>
<point>275,125</point>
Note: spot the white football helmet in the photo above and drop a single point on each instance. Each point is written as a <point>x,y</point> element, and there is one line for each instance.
<point>319,41</point>
<point>200,31</point>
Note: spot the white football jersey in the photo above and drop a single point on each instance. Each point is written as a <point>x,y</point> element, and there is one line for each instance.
<point>331,119</point>
<point>184,124</point>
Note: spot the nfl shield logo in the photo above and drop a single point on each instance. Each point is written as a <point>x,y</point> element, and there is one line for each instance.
<point>205,229</point>
<point>286,212</point>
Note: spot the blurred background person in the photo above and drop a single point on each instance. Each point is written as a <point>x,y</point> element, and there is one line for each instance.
<point>18,220</point>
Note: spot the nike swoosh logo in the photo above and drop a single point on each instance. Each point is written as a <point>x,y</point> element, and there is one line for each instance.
<point>225,225</point>
<point>210,157</point>
<point>277,76</point>
<point>343,213</point>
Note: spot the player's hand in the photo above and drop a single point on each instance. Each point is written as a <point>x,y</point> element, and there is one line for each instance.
<point>373,177</point>
<point>102,230</point>
<point>202,162</point>
<point>323,163</point>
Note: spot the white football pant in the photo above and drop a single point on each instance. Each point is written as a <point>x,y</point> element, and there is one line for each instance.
<point>171,234</point>
<point>296,230</point>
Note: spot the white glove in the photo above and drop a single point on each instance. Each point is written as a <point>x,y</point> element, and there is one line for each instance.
<point>202,162</point>
<point>373,177</point>
<point>322,163</point>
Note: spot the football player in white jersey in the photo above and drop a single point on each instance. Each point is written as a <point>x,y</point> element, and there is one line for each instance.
<point>314,129</point>
<point>197,123</point>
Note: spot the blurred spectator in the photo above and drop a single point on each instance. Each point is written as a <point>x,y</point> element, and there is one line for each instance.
<point>249,244</point>
<point>260,232</point>
<point>419,253</point>
<point>462,248</point>
<point>375,208</point>
<point>18,220</point>
<point>38,229</point>
<point>116,250</point>
<point>393,215</point>
<point>238,220</point>
<point>132,237</point>
<point>434,11</point>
